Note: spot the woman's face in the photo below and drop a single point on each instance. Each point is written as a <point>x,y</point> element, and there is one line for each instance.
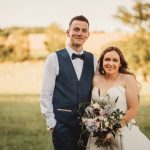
<point>111,62</point>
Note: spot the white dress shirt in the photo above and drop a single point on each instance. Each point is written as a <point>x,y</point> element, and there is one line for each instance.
<point>51,71</point>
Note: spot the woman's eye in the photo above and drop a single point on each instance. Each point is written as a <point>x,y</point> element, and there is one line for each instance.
<point>116,60</point>
<point>107,59</point>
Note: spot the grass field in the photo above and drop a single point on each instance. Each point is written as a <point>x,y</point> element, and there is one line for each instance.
<point>22,126</point>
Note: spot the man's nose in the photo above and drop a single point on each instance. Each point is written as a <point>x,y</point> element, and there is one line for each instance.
<point>80,32</point>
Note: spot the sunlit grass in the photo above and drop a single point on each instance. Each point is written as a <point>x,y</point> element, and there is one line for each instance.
<point>22,126</point>
<point>143,118</point>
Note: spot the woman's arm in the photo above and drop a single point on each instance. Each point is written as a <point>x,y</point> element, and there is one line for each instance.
<point>132,97</point>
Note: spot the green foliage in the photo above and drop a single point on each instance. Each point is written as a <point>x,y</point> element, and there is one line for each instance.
<point>22,126</point>
<point>20,45</point>
<point>137,52</point>
<point>138,17</point>
<point>15,47</point>
<point>55,38</point>
<point>136,47</point>
<point>23,30</point>
<point>5,53</point>
<point>14,42</point>
<point>4,33</point>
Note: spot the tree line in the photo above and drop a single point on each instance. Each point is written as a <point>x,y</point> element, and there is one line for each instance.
<point>14,43</point>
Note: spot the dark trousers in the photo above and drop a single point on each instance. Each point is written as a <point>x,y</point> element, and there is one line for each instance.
<point>66,138</point>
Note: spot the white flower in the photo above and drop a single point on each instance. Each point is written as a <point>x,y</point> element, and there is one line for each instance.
<point>89,110</point>
<point>112,117</point>
<point>105,119</point>
<point>106,124</point>
<point>96,106</point>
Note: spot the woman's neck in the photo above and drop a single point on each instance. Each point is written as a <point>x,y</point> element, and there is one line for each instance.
<point>111,77</point>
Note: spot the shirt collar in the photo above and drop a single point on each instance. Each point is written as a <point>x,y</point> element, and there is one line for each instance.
<point>71,51</point>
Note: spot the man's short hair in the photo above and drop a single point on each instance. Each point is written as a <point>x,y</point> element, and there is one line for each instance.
<point>79,18</point>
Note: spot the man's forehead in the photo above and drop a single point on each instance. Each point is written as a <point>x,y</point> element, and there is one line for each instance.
<point>79,24</point>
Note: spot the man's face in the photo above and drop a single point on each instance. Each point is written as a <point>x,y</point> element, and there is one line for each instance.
<point>78,33</point>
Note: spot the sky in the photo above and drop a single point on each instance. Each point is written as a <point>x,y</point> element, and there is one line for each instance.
<point>36,13</point>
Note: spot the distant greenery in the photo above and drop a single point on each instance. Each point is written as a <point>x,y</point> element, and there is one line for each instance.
<point>14,41</point>
<point>136,46</point>
<point>22,126</point>
<point>136,51</point>
<point>55,38</point>
<point>138,17</point>
<point>26,30</point>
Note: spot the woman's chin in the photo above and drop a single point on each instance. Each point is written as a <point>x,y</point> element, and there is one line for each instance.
<point>110,72</point>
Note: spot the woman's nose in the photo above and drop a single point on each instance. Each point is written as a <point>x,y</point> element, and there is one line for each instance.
<point>110,62</point>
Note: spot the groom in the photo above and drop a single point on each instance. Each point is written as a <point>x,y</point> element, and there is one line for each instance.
<point>67,81</point>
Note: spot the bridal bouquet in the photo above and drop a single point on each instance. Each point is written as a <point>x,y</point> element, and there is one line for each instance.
<point>101,120</point>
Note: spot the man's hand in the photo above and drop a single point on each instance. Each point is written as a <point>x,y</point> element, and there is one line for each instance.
<point>50,129</point>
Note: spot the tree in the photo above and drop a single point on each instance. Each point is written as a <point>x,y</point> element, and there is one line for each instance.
<point>20,45</point>
<point>138,18</point>
<point>16,46</point>
<point>137,45</point>
<point>55,38</point>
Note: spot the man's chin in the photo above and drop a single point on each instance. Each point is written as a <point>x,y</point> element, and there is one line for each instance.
<point>78,44</point>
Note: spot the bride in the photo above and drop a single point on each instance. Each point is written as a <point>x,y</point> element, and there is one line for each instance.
<point>115,79</point>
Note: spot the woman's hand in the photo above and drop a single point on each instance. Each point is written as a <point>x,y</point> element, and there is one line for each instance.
<point>108,138</point>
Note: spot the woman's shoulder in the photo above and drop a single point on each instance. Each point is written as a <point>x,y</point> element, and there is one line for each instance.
<point>128,77</point>
<point>97,77</point>
<point>129,80</point>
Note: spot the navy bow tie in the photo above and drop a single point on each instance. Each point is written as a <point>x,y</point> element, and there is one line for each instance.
<point>81,56</point>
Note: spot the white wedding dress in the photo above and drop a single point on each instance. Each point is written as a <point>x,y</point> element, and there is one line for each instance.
<point>130,138</point>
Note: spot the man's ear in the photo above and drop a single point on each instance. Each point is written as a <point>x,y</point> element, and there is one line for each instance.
<point>67,32</point>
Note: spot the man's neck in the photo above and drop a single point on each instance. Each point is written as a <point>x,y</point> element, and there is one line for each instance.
<point>76,48</point>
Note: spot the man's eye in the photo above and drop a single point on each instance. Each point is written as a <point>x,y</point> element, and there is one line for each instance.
<point>76,29</point>
<point>84,30</point>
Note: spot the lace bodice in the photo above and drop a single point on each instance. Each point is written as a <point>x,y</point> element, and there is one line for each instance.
<point>115,95</point>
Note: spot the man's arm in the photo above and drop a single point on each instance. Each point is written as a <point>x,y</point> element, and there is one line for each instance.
<point>95,64</point>
<point>51,70</point>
